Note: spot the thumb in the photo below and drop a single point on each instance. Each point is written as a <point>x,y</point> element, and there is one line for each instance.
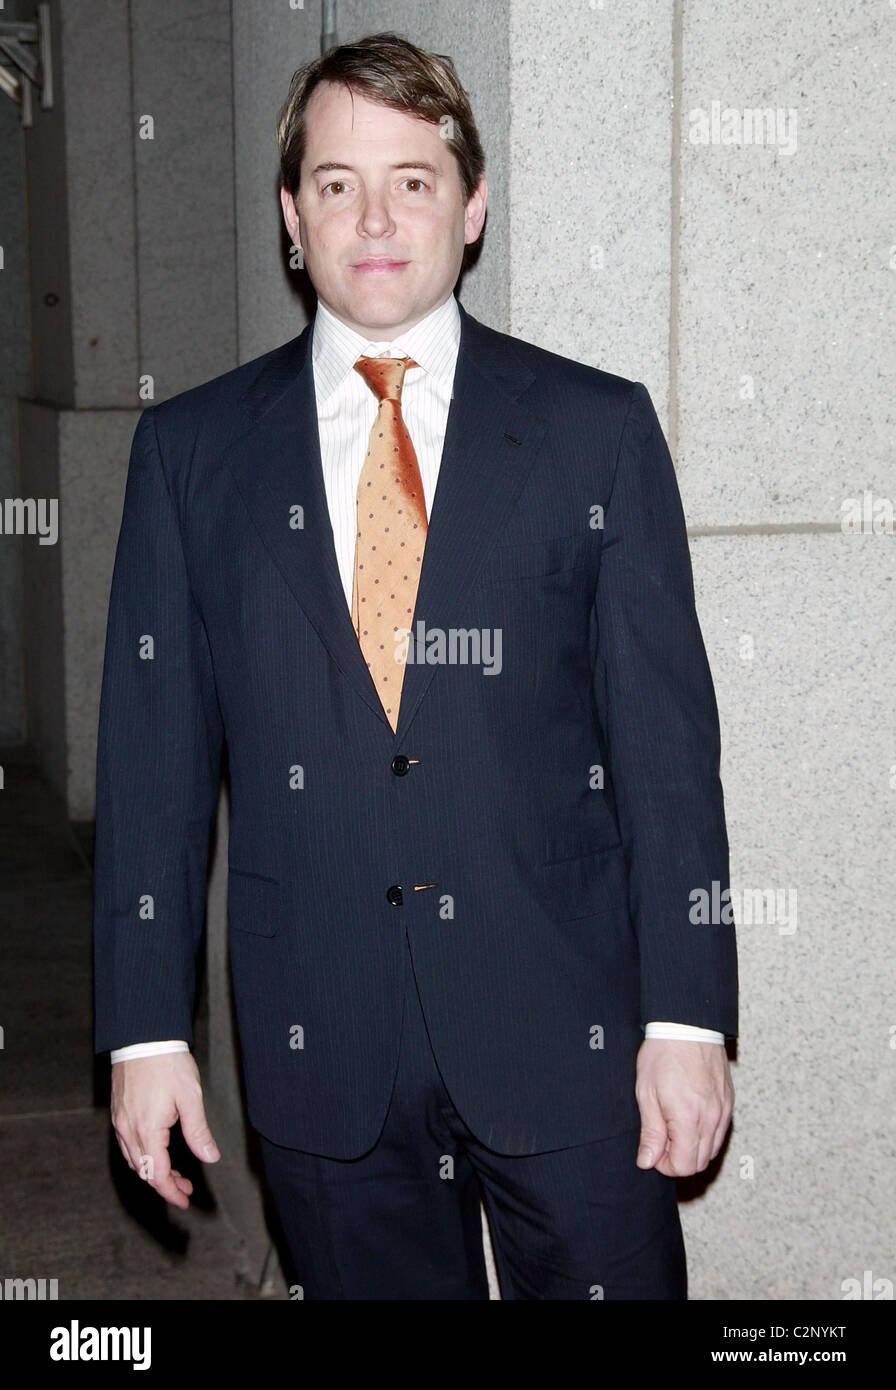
<point>652,1143</point>
<point>196,1132</point>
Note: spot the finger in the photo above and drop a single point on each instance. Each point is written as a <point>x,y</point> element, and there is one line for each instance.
<point>722,1128</point>
<point>169,1190</point>
<point>654,1135</point>
<point>684,1147</point>
<point>127,1142</point>
<point>184,1184</point>
<point>194,1128</point>
<point>705,1137</point>
<point>124,1150</point>
<point>665,1165</point>
<point>706,1126</point>
<point>155,1167</point>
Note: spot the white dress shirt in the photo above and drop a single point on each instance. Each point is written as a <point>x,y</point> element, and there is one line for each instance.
<point>346,410</point>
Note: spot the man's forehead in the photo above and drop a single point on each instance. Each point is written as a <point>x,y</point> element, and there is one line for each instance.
<point>351,111</point>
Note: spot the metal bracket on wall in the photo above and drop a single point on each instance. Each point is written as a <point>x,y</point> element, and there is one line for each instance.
<point>21,70</point>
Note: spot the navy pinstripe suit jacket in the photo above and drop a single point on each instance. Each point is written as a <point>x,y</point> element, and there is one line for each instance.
<point>557,913</point>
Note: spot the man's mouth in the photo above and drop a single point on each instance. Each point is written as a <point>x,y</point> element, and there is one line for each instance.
<point>378,264</point>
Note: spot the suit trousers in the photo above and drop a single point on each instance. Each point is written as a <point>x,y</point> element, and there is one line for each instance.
<point>403,1220</point>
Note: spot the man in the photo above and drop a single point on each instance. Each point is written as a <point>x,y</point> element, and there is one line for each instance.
<point>432,586</point>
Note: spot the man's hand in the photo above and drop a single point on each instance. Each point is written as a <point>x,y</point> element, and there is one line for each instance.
<point>685,1095</point>
<point>148,1095</point>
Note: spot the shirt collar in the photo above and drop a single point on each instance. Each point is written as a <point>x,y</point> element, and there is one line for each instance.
<point>432,343</point>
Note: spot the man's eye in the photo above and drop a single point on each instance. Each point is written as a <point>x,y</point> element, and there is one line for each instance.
<point>340,184</point>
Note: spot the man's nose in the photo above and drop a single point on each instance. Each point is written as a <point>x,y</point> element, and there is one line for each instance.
<point>376,217</point>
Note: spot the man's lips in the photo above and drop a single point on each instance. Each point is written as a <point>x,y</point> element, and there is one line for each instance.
<point>375,263</point>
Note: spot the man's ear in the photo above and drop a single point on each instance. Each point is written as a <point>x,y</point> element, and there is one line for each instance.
<point>290,215</point>
<point>474,216</point>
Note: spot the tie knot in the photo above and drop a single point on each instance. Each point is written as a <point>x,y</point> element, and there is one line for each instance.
<point>384,375</point>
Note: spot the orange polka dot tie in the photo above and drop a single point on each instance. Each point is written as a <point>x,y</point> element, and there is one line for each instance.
<point>391,534</point>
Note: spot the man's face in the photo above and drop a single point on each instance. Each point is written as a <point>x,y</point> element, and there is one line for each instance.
<point>381,233</point>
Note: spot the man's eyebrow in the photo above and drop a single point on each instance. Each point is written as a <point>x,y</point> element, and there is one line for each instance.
<point>329,166</point>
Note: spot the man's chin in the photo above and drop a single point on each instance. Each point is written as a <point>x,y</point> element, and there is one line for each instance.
<point>381,311</point>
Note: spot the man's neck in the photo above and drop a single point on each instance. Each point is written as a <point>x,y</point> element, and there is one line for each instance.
<point>378,333</point>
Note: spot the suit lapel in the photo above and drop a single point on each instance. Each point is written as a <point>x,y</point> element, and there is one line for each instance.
<point>276,465</point>
<point>491,442</point>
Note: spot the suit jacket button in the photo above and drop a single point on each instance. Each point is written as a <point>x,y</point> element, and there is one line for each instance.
<point>400,765</point>
<point>395,895</point>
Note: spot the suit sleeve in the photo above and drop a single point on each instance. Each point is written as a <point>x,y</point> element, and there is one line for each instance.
<point>663,738</point>
<point>158,772</point>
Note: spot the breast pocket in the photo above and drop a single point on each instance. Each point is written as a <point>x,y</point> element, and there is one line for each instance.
<point>253,903</point>
<point>525,559</point>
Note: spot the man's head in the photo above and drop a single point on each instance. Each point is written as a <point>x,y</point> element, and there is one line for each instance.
<point>382,180</point>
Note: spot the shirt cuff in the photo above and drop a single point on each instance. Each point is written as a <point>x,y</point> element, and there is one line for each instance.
<point>685,1032</point>
<point>147,1049</point>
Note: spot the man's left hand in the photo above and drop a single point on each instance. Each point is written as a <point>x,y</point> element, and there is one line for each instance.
<point>685,1095</point>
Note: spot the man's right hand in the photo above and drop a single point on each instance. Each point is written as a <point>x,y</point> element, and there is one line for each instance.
<point>148,1095</point>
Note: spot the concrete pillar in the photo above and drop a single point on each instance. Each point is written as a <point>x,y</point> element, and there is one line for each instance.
<point>783,396</point>
<point>15,382</point>
<point>133,298</point>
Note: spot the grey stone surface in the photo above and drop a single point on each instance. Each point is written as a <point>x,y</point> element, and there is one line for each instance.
<point>45,990</point>
<point>94,448</point>
<point>15,342</point>
<point>42,599</point>
<point>787,267</point>
<point>50,269</point>
<point>79,458</point>
<point>182,82</point>
<point>72,1209</point>
<point>591,175</point>
<point>76,1213</point>
<point>12,672</point>
<point>800,632</point>
<point>99,190</point>
<point>269,43</point>
<point>15,381</point>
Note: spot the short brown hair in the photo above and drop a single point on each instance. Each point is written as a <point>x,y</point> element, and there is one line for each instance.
<point>391,70</point>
